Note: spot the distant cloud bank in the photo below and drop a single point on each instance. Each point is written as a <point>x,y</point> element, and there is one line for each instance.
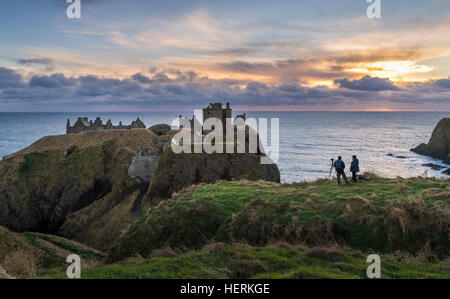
<point>176,90</point>
<point>367,83</point>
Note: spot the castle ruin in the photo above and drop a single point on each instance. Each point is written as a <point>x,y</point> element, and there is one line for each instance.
<point>215,110</point>
<point>83,124</point>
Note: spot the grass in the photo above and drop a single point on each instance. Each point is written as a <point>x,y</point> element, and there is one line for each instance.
<point>56,250</point>
<point>27,165</point>
<point>220,260</point>
<point>383,215</point>
<point>30,255</point>
<point>245,229</point>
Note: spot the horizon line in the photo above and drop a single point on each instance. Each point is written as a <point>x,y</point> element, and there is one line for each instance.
<point>178,111</point>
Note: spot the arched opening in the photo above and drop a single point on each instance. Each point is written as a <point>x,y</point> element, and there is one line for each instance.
<point>226,174</point>
<point>198,176</point>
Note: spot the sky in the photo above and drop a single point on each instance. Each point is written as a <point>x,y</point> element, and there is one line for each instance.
<point>179,55</point>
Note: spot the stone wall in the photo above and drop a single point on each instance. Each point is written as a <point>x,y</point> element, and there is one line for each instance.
<point>83,124</point>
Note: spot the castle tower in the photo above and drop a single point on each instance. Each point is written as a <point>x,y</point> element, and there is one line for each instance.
<point>226,113</point>
<point>215,110</point>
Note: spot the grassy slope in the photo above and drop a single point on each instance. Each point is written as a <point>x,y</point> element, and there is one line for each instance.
<point>383,215</point>
<point>324,231</point>
<point>220,260</point>
<point>27,255</point>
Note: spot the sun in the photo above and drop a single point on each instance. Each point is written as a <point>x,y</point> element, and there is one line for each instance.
<point>391,69</point>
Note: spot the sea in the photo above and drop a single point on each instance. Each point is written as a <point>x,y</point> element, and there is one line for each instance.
<point>307,140</point>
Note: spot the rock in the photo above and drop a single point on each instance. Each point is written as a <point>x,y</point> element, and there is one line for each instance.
<point>433,166</point>
<point>87,195</point>
<point>447,172</point>
<point>394,156</point>
<point>177,171</point>
<point>439,145</point>
<point>362,178</point>
<point>70,150</point>
<point>160,129</point>
<point>142,166</point>
<point>83,186</point>
<point>162,144</point>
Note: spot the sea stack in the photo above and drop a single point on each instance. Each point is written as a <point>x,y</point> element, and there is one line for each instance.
<point>439,145</point>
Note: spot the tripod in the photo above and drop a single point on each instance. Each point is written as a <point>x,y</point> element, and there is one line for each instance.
<point>331,168</point>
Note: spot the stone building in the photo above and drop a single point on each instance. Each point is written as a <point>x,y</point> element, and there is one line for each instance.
<point>213,110</point>
<point>83,124</point>
<point>216,110</point>
<point>143,165</point>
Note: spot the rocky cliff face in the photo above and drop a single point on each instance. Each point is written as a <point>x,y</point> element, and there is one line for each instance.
<point>90,187</point>
<point>177,171</point>
<point>439,145</point>
<point>76,185</point>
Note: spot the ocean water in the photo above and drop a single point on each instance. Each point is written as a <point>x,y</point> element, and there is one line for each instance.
<point>308,140</point>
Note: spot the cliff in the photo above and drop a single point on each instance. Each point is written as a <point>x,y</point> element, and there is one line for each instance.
<point>244,229</point>
<point>439,145</point>
<point>91,186</point>
<point>177,171</point>
<point>76,185</point>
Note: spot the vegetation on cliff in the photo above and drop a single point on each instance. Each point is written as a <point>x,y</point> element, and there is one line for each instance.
<point>177,171</point>
<point>79,185</point>
<point>244,229</point>
<point>280,260</point>
<point>384,215</point>
<point>76,185</point>
<point>31,255</point>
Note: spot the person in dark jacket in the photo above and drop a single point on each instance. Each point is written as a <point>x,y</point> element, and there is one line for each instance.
<point>339,165</point>
<point>354,168</point>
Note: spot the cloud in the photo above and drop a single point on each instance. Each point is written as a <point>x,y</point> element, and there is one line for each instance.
<point>367,83</point>
<point>162,77</point>
<point>325,67</point>
<point>92,86</point>
<point>249,67</point>
<point>53,81</point>
<point>141,78</point>
<point>45,64</point>
<point>38,61</point>
<point>233,52</point>
<point>270,50</point>
<point>179,90</point>
<point>255,87</point>
<point>195,32</point>
<point>443,83</point>
<point>9,78</point>
<point>63,3</point>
